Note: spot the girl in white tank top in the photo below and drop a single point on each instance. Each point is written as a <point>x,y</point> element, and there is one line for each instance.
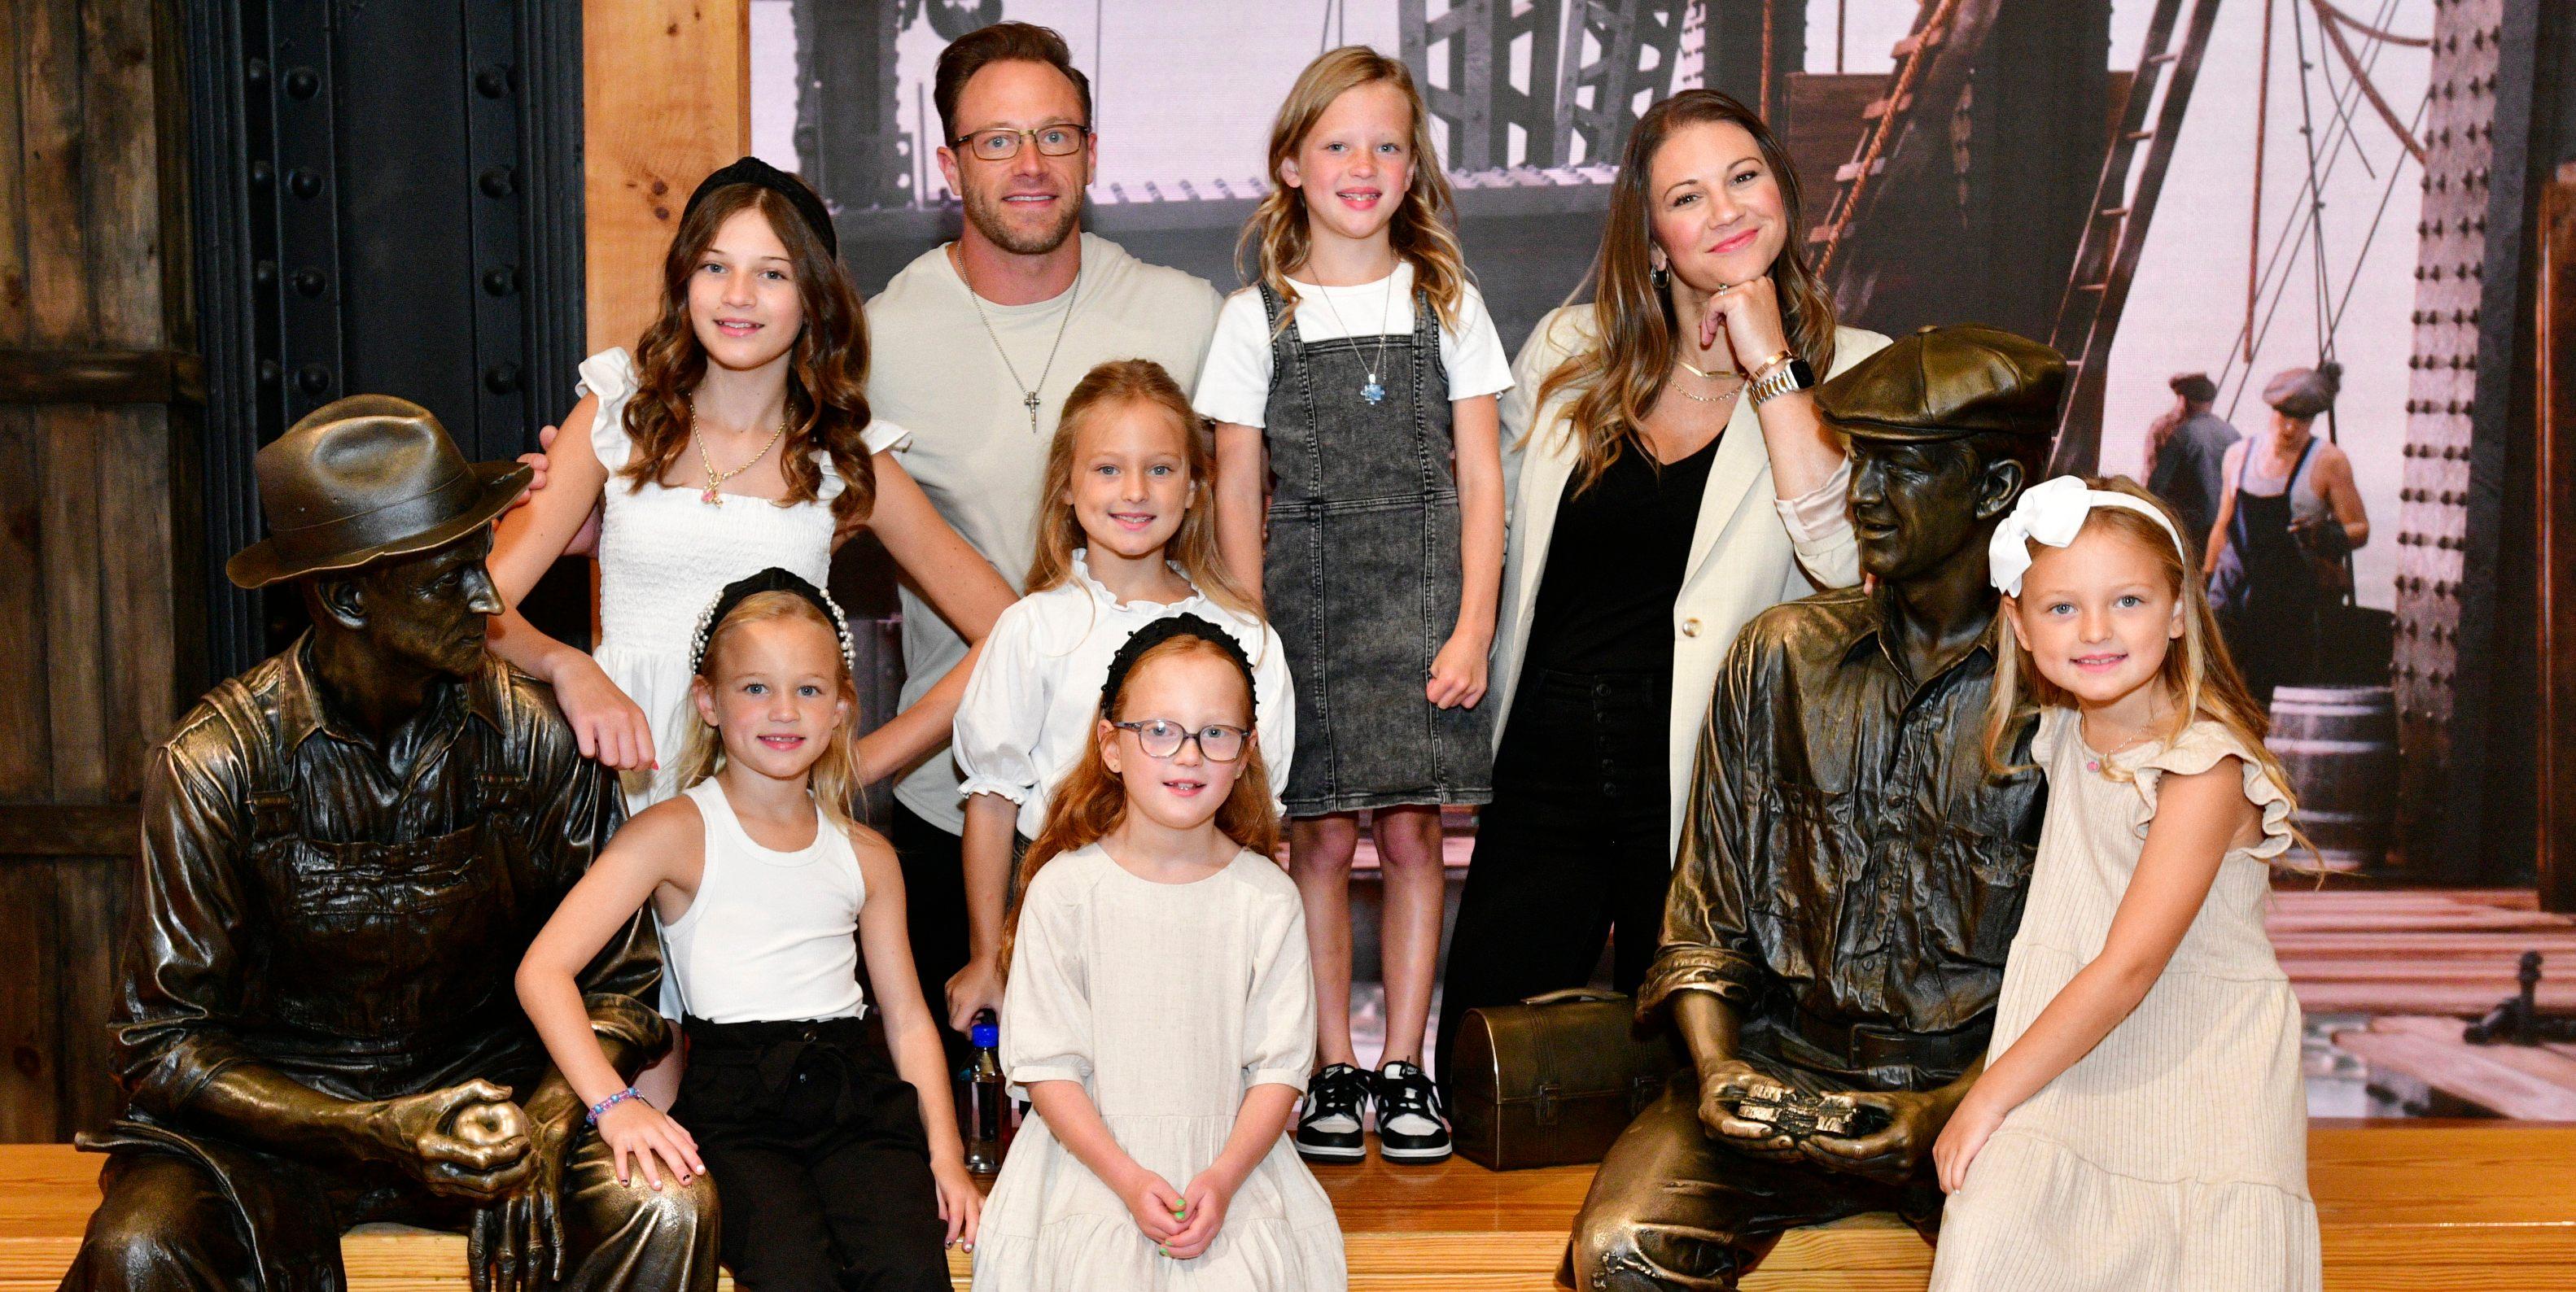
<point>834,1147</point>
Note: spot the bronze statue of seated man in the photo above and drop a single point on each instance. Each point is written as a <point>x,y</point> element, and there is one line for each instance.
<point>346,851</point>
<point>1851,871</point>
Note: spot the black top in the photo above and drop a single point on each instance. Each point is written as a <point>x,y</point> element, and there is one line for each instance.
<point>1605,601</point>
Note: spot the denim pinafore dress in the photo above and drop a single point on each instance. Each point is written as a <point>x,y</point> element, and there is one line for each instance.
<point>1363,570</point>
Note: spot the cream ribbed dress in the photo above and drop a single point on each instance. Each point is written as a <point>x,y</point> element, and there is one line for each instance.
<point>2174,1156</point>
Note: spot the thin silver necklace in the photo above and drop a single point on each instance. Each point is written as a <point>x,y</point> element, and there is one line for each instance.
<point>1371,391</point>
<point>1028,393</point>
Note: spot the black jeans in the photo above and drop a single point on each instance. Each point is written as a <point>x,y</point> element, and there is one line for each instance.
<point>1571,850</point>
<point>934,895</point>
<point>818,1156</point>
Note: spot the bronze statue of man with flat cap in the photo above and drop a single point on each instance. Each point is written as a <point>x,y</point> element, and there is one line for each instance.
<point>346,851</point>
<point>1851,871</point>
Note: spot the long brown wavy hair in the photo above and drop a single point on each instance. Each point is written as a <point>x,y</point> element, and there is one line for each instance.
<point>827,372</point>
<point>1106,388</point>
<point>834,778</point>
<point>1092,801</point>
<point>1422,231</point>
<point>2197,675</point>
<point>1623,373</point>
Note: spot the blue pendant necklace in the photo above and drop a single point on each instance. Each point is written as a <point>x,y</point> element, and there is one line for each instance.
<point>1370,390</point>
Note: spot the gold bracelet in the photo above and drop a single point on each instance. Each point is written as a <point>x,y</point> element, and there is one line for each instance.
<point>1763,369</point>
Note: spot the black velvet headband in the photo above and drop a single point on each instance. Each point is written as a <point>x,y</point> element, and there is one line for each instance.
<point>1161,631</point>
<point>754,171</point>
<point>772,579</point>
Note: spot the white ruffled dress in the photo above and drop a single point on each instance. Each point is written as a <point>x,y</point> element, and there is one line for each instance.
<point>1167,1002</point>
<point>664,555</point>
<point>2174,1156</point>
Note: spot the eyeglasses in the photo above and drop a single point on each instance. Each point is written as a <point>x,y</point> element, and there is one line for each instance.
<point>1163,738</point>
<point>1002,143</point>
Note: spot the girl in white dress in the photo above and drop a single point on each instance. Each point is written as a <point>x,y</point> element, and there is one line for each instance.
<point>1159,1012</point>
<point>2141,1122</point>
<point>736,437</point>
<point>1126,535</point>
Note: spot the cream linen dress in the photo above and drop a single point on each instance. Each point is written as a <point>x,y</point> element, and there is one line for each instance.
<point>1167,1002</point>
<point>2174,1156</point>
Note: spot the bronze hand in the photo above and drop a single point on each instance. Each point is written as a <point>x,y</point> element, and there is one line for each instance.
<point>1899,1150</point>
<point>465,1141</point>
<point>516,1244</point>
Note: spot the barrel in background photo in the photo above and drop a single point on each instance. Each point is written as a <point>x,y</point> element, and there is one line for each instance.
<point>2339,746</point>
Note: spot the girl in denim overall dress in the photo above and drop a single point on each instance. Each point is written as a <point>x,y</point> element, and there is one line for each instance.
<point>1363,364</point>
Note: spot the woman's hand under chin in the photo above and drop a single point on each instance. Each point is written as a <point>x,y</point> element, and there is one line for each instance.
<point>1748,315</point>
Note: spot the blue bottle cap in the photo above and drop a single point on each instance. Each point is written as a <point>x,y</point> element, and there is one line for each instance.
<point>985,1036</point>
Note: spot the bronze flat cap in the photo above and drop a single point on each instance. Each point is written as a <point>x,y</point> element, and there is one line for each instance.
<point>1942,383</point>
<point>2305,392</point>
<point>363,478</point>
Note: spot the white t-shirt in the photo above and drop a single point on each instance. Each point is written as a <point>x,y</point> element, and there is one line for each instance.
<point>1028,710</point>
<point>1235,384</point>
<point>936,370</point>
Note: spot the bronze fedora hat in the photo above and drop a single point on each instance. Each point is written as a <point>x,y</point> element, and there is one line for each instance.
<point>363,478</point>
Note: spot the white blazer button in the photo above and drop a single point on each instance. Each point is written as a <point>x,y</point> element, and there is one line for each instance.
<point>1690,628</point>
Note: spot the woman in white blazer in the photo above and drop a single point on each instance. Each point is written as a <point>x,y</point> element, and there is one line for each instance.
<point>1673,479</point>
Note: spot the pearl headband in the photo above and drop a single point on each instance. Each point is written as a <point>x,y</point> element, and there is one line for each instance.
<point>2053,512</point>
<point>772,579</point>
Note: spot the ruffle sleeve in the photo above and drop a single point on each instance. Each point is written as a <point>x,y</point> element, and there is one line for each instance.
<point>1279,1012</point>
<point>609,377</point>
<point>880,436</point>
<point>2198,749</point>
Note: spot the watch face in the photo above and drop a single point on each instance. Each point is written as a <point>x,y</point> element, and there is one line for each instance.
<point>1801,377</point>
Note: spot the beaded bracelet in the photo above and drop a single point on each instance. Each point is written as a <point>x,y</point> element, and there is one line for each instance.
<point>600,1109</point>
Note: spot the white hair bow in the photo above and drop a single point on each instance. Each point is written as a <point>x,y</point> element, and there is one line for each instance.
<point>2053,512</point>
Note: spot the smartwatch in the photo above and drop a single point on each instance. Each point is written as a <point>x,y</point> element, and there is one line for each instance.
<point>1781,379</point>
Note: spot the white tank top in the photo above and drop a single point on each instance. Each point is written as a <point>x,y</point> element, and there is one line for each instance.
<point>772,936</point>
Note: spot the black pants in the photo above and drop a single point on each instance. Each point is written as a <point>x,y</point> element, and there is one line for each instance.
<point>817,1151</point>
<point>934,894</point>
<point>1571,850</point>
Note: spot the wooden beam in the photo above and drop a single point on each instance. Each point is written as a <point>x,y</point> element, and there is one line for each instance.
<point>666,99</point>
<point>68,829</point>
<point>2554,471</point>
<point>101,377</point>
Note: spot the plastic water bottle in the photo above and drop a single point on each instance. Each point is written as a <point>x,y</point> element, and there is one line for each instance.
<point>985,1098</point>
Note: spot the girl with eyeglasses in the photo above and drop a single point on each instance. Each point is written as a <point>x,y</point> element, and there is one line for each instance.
<point>1126,536</point>
<point>1160,1014</point>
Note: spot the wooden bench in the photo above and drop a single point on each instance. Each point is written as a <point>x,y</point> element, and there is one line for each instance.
<point>2489,1205</point>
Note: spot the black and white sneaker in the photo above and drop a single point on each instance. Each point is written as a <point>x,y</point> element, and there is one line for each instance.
<point>1410,1124</point>
<point>1329,1130</point>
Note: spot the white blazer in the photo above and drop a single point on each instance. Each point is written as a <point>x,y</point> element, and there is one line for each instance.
<point>1742,559</point>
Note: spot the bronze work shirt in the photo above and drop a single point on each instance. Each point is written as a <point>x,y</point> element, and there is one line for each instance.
<point>1850,875</point>
<point>352,919</point>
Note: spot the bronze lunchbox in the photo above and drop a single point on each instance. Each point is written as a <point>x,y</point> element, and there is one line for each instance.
<point>1553,1080</point>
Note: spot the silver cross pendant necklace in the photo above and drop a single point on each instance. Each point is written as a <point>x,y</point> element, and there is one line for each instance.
<point>1028,393</point>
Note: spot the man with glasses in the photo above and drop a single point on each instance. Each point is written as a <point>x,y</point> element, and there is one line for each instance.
<point>977,343</point>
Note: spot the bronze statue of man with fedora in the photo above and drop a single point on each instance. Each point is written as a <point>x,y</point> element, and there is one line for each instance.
<point>346,850</point>
<point>1851,870</point>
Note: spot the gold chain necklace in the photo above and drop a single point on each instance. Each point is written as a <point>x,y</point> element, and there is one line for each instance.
<point>1735,380</point>
<point>712,495</point>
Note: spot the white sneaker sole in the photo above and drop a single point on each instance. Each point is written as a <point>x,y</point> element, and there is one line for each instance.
<point>1412,1154</point>
<point>1332,1154</point>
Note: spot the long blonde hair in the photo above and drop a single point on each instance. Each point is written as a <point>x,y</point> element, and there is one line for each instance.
<point>835,776</point>
<point>2197,675</point>
<point>1110,386</point>
<point>1623,373</point>
<point>1422,231</point>
<point>1092,800</point>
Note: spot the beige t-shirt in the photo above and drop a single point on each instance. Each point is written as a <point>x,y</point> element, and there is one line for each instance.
<point>935,370</point>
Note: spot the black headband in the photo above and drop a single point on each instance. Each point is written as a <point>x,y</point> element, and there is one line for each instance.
<point>760,174</point>
<point>772,579</point>
<point>1161,631</point>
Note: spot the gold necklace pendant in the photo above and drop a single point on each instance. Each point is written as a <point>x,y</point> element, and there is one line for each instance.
<point>713,494</point>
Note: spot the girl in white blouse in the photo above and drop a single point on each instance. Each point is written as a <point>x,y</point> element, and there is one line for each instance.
<point>1126,536</point>
<point>1162,1013</point>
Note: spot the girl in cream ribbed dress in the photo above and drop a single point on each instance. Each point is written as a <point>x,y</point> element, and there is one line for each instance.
<point>2141,1121</point>
<point>1158,1010</point>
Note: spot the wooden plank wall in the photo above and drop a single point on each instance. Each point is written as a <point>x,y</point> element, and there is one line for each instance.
<point>96,500</point>
<point>666,86</point>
